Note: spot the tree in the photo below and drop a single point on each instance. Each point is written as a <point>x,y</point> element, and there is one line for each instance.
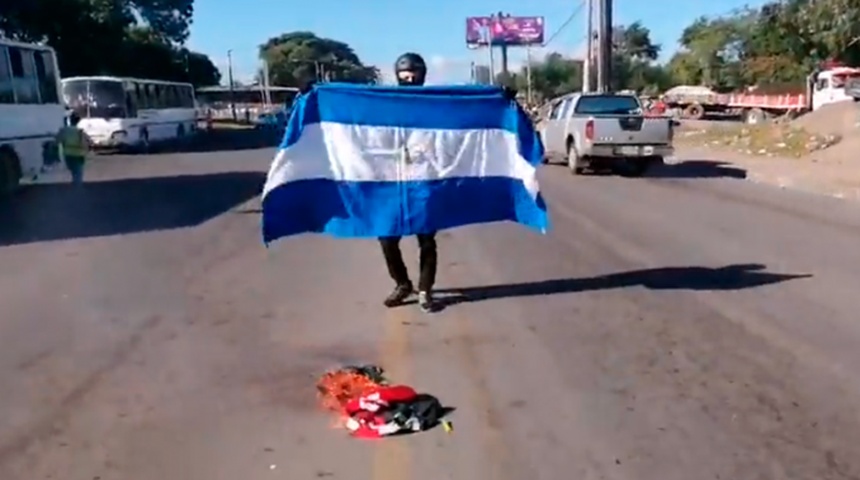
<point>633,60</point>
<point>297,58</point>
<point>140,38</point>
<point>201,71</point>
<point>779,43</point>
<point>772,48</point>
<point>553,76</point>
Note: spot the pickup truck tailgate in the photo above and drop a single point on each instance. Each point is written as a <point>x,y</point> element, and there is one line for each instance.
<point>632,130</point>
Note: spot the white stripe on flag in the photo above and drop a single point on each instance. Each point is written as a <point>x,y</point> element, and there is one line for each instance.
<point>334,151</point>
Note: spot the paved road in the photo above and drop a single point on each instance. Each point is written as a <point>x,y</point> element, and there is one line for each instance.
<point>676,327</point>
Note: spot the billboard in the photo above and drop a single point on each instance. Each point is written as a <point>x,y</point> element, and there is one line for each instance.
<point>509,31</point>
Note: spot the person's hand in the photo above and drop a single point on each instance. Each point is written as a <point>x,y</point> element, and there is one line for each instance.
<point>510,93</point>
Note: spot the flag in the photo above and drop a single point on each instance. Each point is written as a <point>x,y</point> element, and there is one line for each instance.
<point>374,161</point>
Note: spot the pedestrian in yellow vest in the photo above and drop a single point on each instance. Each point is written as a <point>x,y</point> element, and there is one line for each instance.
<point>75,145</point>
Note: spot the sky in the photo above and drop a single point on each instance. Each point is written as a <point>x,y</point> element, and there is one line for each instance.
<point>380,30</point>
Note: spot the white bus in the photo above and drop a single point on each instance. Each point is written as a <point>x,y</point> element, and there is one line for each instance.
<point>130,112</point>
<point>31,113</point>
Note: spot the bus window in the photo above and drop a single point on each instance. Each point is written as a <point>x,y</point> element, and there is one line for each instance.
<point>139,96</point>
<point>189,96</point>
<point>181,96</point>
<point>165,96</point>
<point>172,97</point>
<point>159,97</point>
<point>23,76</point>
<point>47,76</point>
<point>95,98</point>
<point>7,92</point>
<point>151,99</point>
<point>130,99</point>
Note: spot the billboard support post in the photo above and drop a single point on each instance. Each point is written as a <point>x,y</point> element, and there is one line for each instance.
<point>528,74</point>
<point>504,49</point>
<point>503,31</point>
<point>492,60</point>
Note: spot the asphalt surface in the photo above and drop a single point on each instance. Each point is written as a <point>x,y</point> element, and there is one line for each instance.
<point>684,326</point>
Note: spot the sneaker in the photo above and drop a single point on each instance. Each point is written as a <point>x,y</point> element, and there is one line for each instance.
<point>425,302</point>
<point>398,295</point>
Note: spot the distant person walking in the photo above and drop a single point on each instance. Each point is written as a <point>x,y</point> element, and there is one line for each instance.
<point>75,145</point>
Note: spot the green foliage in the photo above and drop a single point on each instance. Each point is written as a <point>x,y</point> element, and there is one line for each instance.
<point>633,67</point>
<point>141,38</point>
<point>773,47</point>
<point>297,58</point>
<point>781,42</point>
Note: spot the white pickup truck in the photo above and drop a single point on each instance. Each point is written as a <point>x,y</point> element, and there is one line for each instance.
<point>592,131</point>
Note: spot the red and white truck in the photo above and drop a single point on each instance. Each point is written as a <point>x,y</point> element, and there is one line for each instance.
<point>823,87</point>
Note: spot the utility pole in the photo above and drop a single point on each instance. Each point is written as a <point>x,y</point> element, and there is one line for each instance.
<point>589,49</point>
<point>604,37</point>
<point>232,88</point>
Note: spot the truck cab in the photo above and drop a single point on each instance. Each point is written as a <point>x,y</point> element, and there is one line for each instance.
<point>828,86</point>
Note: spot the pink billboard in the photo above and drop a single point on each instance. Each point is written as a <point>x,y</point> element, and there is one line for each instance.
<point>511,31</point>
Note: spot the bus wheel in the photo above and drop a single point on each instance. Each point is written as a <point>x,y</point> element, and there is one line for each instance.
<point>10,172</point>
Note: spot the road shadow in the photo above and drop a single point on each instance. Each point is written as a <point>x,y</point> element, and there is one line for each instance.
<point>45,212</point>
<point>217,140</point>
<point>731,277</point>
<point>697,169</point>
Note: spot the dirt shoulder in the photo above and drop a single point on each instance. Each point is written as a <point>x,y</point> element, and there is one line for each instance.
<point>837,178</point>
<point>816,153</point>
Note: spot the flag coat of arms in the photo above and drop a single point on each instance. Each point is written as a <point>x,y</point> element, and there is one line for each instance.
<point>375,161</point>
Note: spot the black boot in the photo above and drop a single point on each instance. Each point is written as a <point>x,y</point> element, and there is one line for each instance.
<point>398,295</point>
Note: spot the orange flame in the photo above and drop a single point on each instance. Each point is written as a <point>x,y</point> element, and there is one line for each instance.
<point>338,387</point>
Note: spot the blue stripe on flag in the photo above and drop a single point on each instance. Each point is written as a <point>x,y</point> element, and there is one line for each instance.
<point>366,209</point>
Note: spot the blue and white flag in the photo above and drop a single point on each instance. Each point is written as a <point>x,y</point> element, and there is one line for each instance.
<point>372,161</point>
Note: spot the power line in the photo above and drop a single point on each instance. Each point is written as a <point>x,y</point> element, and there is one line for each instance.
<point>565,24</point>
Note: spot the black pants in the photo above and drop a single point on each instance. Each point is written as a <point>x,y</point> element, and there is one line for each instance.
<point>427,260</point>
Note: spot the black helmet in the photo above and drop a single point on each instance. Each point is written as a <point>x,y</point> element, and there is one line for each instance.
<point>410,69</point>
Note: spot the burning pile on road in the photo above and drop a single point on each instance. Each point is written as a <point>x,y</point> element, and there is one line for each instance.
<point>370,407</point>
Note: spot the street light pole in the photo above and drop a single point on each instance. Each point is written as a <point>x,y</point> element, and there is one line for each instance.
<point>232,88</point>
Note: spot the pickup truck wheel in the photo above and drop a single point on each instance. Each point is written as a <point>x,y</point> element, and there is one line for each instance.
<point>573,160</point>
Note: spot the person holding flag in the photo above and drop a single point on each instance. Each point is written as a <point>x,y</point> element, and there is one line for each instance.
<point>411,70</point>
<point>361,161</point>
